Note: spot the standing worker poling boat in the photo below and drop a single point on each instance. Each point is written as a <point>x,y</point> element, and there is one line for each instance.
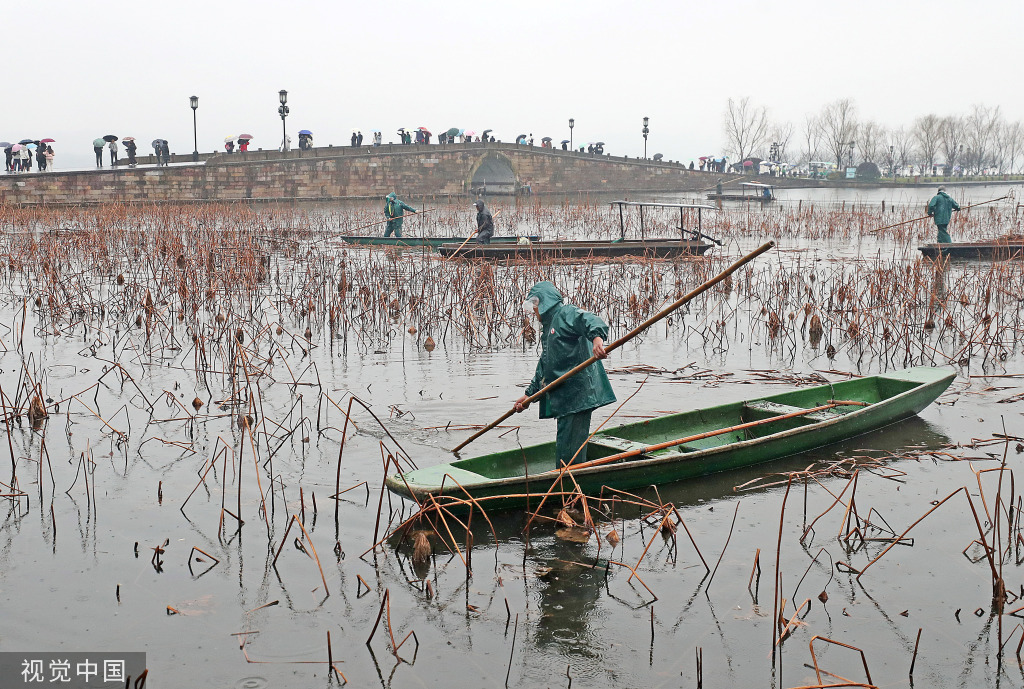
<point>484,224</point>
<point>941,208</point>
<point>568,337</point>
<point>394,211</point>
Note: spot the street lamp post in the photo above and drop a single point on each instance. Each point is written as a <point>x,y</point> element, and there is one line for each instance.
<point>646,131</point>
<point>282,110</point>
<point>851,153</point>
<point>194,102</point>
<point>892,161</point>
<point>572,123</point>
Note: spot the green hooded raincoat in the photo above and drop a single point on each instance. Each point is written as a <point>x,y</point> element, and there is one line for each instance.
<point>941,208</point>
<point>394,209</point>
<point>565,342</point>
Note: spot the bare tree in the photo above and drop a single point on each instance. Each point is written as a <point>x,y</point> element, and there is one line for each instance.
<point>981,128</point>
<point>1011,141</point>
<point>903,146</point>
<point>873,142</point>
<point>746,127</point>
<point>952,140</point>
<point>839,127</point>
<point>811,137</point>
<point>927,134</point>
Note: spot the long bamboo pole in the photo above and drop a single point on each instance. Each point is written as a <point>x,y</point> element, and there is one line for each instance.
<point>925,217</point>
<point>371,224</point>
<point>626,338</point>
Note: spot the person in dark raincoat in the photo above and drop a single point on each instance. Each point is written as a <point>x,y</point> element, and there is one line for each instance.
<point>394,210</point>
<point>131,148</point>
<point>568,338</point>
<point>941,208</point>
<point>484,224</point>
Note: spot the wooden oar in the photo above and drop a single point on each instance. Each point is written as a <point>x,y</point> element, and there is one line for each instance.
<point>700,436</point>
<point>470,237</point>
<point>375,222</point>
<point>925,217</point>
<point>626,338</point>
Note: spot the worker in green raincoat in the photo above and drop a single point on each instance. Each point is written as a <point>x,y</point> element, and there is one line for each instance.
<point>568,337</point>
<point>941,208</point>
<point>394,211</point>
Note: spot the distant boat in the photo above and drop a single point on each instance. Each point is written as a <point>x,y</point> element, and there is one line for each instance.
<point>690,444</point>
<point>554,250</point>
<point>749,191</point>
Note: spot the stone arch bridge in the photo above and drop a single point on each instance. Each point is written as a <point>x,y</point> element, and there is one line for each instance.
<point>343,172</point>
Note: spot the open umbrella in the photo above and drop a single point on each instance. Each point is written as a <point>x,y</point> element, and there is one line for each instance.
<point>487,131</point>
<point>123,138</point>
<point>31,145</point>
<point>98,143</point>
<point>16,147</point>
<point>47,141</point>
<point>599,143</point>
<point>470,133</point>
<point>110,137</point>
<point>229,138</point>
<point>27,141</point>
<point>5,144</point>
<point>305,131</point>
<point>565,141</point>
<point>454,131</point>
<point>521,136</point>
<point>157,142</point>
<point>247,137</point>
<point>546,138</point>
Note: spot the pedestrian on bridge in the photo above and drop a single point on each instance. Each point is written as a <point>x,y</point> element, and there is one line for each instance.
<point>394,211</point>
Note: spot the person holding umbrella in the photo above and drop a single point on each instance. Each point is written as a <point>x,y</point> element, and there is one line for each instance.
<point>130,148</point>
<point>394,211</point>
<point>229,144</point>
<point>112,147</point>
<point>243,142</point>
<point>41,158</point>
<point>26,158</point>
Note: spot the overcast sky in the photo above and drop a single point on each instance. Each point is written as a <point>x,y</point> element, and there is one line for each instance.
<point>79,70</point>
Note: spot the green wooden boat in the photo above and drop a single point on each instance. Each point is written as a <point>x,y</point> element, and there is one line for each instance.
<point>720,438</point>
<point>433,242</point>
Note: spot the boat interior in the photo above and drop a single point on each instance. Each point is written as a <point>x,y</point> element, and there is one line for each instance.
<point>702,429</point>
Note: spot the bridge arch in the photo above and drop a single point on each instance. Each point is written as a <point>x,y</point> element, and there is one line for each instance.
<point>493,172</point>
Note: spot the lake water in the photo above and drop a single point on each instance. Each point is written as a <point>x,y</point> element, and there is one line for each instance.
<point>77,566</point>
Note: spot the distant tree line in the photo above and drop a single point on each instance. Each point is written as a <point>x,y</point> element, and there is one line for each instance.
<point>981,140</point>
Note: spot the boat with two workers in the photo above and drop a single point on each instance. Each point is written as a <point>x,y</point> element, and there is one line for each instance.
<point>690,242</point>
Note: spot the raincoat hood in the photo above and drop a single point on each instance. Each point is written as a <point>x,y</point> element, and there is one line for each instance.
<point>548,296</point>
<point>391,196</point>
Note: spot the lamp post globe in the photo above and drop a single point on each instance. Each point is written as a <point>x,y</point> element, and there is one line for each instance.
<point>646,131</point>
<point>572,123</point>
<point>193,102</point>
<point>282,110</point>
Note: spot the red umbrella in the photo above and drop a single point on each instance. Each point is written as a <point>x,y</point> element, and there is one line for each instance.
<point>47,141</point>
<point>748,163</point>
